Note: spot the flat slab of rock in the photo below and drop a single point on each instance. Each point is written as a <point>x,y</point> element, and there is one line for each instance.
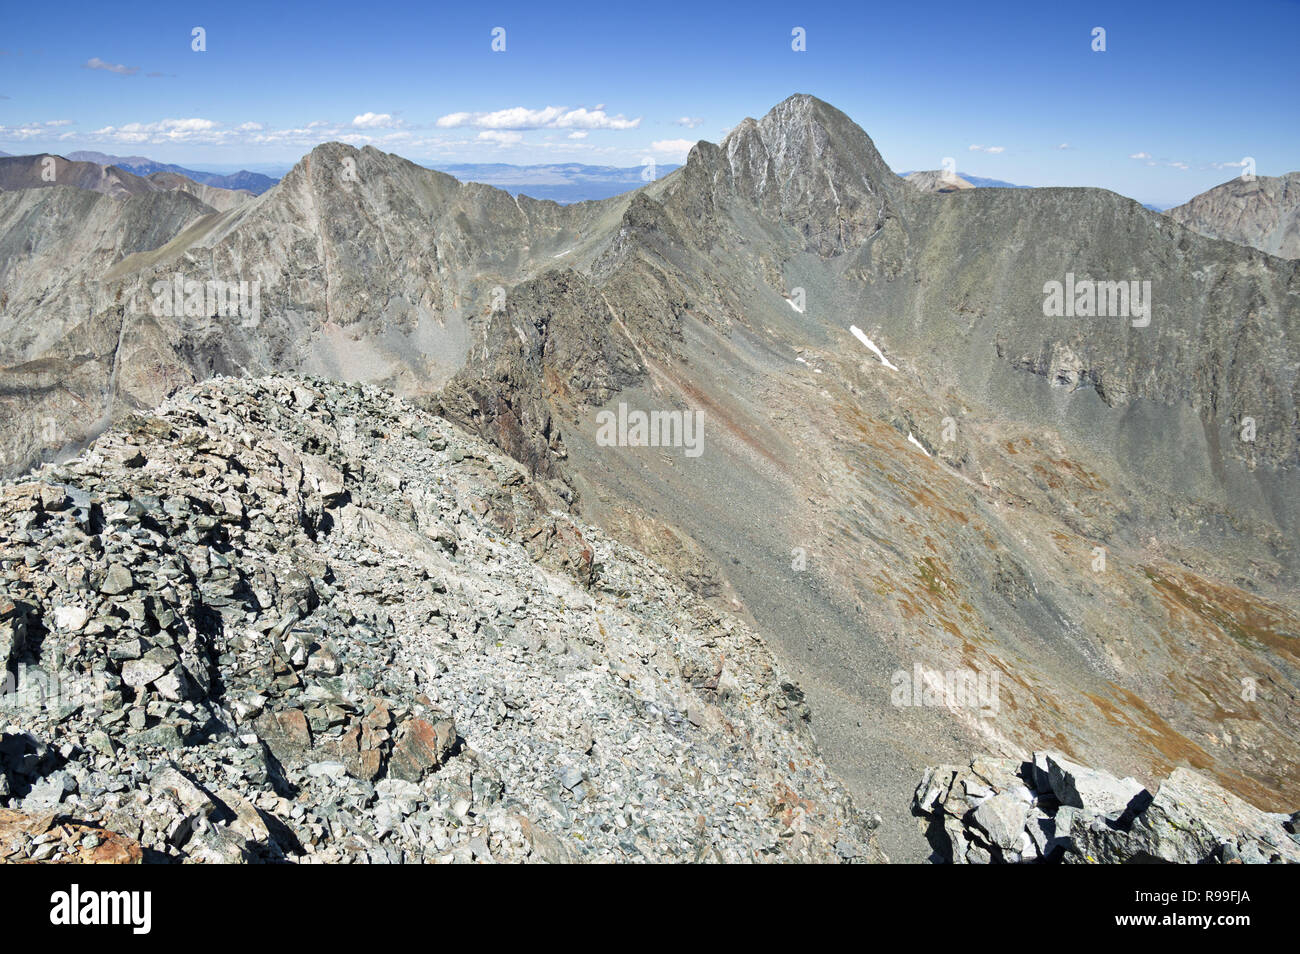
<point>1096,791</point>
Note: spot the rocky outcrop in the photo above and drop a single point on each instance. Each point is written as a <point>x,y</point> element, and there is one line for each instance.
<point>1261,211</point>
<point>223,200</point>
<point>554,342</point>
<point>282,619</point>
<point>1051,810</point>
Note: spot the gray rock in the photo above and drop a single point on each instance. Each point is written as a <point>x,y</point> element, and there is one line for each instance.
<point>118,580</point>
<point>1091,789</point>
<point>138,673</point>
<point>1003,817</point>
<point>13,633</point>
<point>1191,820</point>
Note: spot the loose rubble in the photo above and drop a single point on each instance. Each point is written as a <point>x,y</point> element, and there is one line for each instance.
<point>290,620</point>
<point>1051,810</point>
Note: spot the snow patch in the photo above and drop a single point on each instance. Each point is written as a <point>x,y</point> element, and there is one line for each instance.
<point>912,440</point>
<point>871,346</point>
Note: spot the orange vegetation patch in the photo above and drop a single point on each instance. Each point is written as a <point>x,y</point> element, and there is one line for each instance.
<point>1174,747</point>
<point>1249,620</point>
<point>934,577</point>
<point>923,496</point>
<point>1081,474</point>
<point>1051,479</point>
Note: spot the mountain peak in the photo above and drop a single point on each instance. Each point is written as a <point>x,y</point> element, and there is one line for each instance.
<point>1261,211</point>
<point>812,165</point>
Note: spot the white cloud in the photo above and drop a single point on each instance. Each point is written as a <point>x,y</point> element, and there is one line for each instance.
<point>95,63</point>
<point>1140,155</point>
<point>689,122</point>
<point>992,150</point>
<point>673,148</point>
<point>33,130</point>
<point>373,121</point>
<point>500,137</point>
<point>552,117</point>
<point>1065,145</point>
<point>165,130</point>
<point>367,129</point>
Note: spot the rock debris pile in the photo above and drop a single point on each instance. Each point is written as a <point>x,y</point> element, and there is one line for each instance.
<point>290,620</point>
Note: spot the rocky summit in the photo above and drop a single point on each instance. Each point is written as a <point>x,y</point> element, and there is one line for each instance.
<point>281,619</point>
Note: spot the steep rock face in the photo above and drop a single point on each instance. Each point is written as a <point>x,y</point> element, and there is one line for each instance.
<point>67,355</point>
<point>45,171</point>
<point>283,619</point>
<point>808,164</point>
<point>223,200</point>
<point>1220,327</point>
<point>53,242</point>
<point>555,343</point>
<point>1263,212</point>
<point>365,266</point>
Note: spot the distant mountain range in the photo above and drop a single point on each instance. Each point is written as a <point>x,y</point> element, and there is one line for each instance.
<point>44,170</point>
<point>978,181</point>
<point>565,182</point>
<point>934,180</point>
<point>253,182</point>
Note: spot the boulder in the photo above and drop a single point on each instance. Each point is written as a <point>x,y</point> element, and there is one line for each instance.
<point>420,748</point>
<point>1093,790</point>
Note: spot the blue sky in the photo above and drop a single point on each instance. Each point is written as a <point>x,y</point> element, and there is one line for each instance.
<point>1187,88</point>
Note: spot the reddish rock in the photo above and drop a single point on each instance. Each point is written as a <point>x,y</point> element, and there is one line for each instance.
<point>421,747</point>
<point>18,828</point>
<point>286,733</point>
